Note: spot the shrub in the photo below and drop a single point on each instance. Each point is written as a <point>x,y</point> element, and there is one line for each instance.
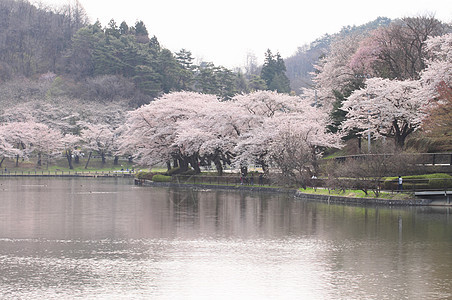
<point>161,178</point>
<point>427,181</point>
<point>439,183</point>
<point>190,172</point>
<point>173,171</point>
<point>145,175</point>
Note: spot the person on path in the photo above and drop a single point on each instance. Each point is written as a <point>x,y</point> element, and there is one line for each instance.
<point>400,184</point>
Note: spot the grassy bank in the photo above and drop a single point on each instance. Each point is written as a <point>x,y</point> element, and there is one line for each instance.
<point>358,194</point>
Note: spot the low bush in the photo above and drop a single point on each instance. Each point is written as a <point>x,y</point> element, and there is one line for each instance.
<point>145,175</point>
<point>173,171</point>
<point>161,178</point>
<point>189,172</point>
<point>427,181</point>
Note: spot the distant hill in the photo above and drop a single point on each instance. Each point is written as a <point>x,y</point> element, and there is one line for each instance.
<point>300,65</point>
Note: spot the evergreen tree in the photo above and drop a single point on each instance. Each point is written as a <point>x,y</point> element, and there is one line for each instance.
<point>147,80</point>
<point>141,32</point>
<point>256,83</point>
<point>168,69</point>
<point>274,73</point>
<point>186,71</point>
<point>124,28</point>
<point>112,29</point>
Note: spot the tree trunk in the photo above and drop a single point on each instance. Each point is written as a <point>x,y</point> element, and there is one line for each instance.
<point>116,161</point>
<point>1,161</point>
<point>195,164</point>
<point>39,163</point>
<point>89,158</point>
<point>219,166</point>
<point>102,154</point>
<point>69,159</point>
<point>359,145</point>
<point>183,164</point>
<point>168,165</point>
<point>244,170</point>
<point>17,160</point>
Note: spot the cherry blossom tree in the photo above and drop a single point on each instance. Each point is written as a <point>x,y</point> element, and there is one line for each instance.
<point>293,152</point>
<point>99,138</point>
<point>334,73</point>
<point>212,135</point>
<point>70,144</point>
<point>198,129</point>
<point>64,114</point>
<point>436,85</point>
<point>437,77</point>
<point>396,51</point>
<point>165,129</point>
<point>289,134</point>
<point>6,149</point>
<point>22,139</point>
<point>20,136</point>
<point>386,108</point>
<point>44,141</point>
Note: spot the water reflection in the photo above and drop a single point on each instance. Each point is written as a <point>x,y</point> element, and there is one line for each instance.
<point>109,239</point>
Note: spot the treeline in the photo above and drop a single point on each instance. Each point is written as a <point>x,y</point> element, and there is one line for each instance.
<point>117,60</point>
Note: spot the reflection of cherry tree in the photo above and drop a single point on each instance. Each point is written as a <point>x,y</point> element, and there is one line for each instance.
<point>386,108</point>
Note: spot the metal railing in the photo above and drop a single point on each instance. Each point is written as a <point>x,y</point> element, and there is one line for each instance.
<point>432,159</point>
<point>220,180</point>
<point>408,185</point>
<point>61,173</point>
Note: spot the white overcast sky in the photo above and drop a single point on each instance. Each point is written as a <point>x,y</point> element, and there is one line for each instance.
<point>223,32</point>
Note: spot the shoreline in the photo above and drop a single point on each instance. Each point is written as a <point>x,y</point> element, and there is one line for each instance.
<point>246,188</point>
<point>300,195</point>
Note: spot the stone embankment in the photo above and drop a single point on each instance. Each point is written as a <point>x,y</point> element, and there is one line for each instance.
<point>296,193</point>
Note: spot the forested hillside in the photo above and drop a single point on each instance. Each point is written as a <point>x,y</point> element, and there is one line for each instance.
<point>34,41</point>
<point>95,61</point>
<point>125,61</point>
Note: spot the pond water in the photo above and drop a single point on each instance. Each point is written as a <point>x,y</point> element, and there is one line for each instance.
<point>72,238</point>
